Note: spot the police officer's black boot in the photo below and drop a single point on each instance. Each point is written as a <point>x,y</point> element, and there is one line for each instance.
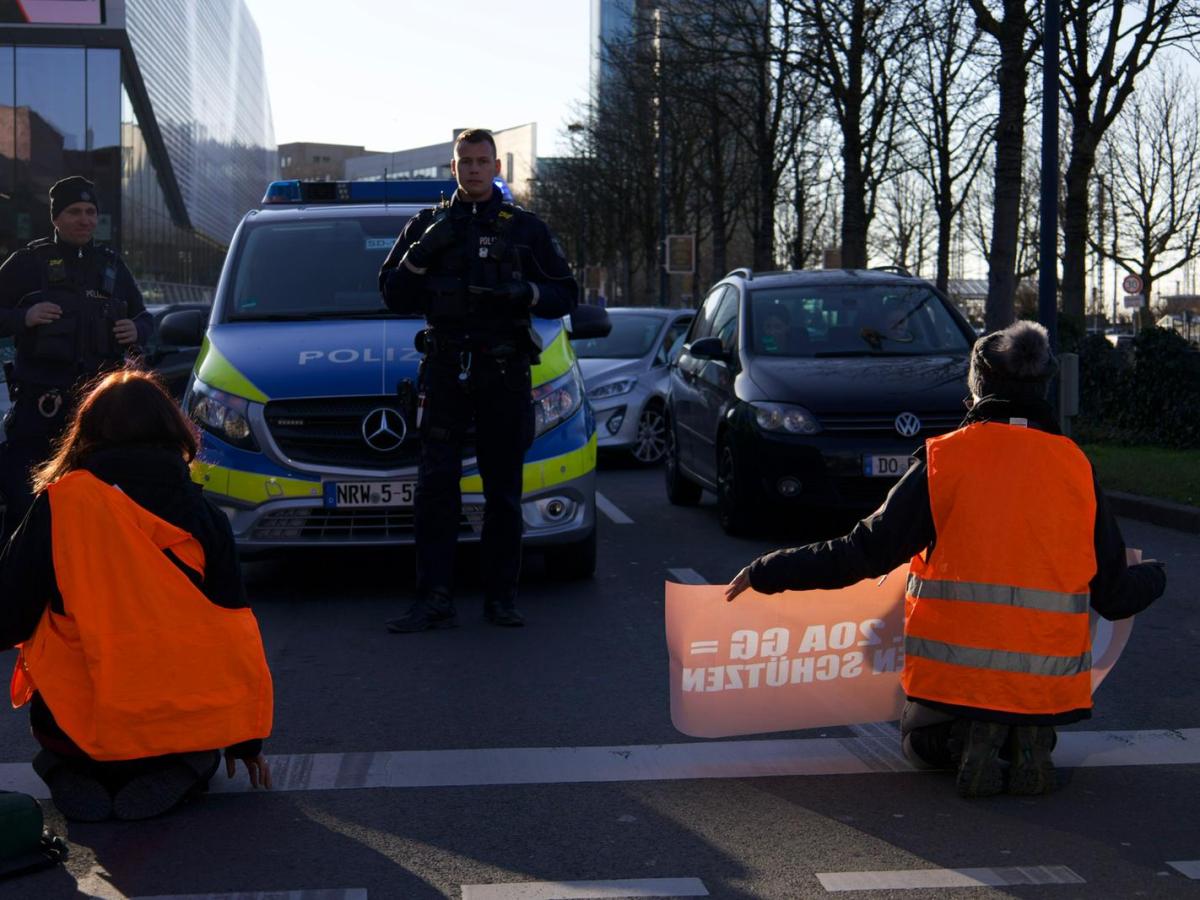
<point>429,611</point>
<point>503,612</point>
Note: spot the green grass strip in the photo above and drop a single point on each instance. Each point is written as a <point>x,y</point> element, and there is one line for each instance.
<point>1148,471</point>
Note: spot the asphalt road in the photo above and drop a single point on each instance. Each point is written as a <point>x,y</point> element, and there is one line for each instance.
<point>406,770</point>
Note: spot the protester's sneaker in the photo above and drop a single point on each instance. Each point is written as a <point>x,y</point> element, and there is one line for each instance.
<point>979,771</point>
<point>79,796</point>
<point>1032,771</point>
<point>427,613</point>
<point>163,788</point>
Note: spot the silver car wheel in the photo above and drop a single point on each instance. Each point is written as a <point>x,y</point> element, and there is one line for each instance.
<point>651,444</point>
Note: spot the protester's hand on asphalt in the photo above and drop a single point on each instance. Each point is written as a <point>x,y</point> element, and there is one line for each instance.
<point>256,767</point>
<point>741,582</point>
<point>42,313</point>
<point>125,331</point>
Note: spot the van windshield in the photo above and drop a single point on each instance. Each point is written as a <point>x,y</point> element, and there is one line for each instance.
<point>852,320</point>
<point>316,268</point>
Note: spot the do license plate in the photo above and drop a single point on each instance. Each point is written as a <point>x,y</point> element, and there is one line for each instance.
<point>369,493</point>
<point>885,466</point>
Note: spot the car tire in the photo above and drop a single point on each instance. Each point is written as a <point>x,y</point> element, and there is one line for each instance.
<point>680,490</point>
<point>572,562</point>
<point>651,446</point>
<point>737,506</point>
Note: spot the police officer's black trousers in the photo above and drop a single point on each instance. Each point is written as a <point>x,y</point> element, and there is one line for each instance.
<point>29,436</point>
<point>496,399</point>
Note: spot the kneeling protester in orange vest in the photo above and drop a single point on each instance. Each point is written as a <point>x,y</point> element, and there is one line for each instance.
<point>139,655</point>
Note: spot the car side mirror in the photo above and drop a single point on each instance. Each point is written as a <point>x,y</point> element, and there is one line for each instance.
<point>588,321</point>
<point>708,348</point>
<point>184,328</point>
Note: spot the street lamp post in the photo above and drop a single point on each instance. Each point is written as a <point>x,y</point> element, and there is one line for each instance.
<point>1048,274</point>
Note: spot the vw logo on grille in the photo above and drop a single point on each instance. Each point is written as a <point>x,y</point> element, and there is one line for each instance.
<point>384,429</point>
<point>908,424</point>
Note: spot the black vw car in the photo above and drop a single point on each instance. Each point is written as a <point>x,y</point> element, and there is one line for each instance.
<point>811,388</point>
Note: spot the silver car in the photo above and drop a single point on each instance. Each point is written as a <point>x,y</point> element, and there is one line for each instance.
<point>626,378</point>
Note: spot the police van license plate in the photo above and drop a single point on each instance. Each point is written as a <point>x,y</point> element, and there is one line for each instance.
<point>885,466</point>
<point>340,494</point>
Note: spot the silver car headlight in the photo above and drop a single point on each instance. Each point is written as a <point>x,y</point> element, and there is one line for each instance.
<point>556,401</point>
<point>222,414</point>
<point>784,418</point>
<point>613,389</point>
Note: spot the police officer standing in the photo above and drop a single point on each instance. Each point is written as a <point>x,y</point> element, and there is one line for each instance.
<point>477,267</point>
<point>74,309</point>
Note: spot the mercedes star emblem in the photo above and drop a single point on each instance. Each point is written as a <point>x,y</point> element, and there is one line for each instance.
<point>907,424</point>
<point>384,429</point>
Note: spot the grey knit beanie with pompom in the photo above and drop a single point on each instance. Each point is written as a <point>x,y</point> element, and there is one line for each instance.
<point>1014,363</point>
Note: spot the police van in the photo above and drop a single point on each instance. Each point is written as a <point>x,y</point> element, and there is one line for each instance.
<point>304,386</point>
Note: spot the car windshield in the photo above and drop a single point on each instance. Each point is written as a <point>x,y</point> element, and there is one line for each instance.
<point>316,268</point>
<point>631,337</point>
<point>852,320</point>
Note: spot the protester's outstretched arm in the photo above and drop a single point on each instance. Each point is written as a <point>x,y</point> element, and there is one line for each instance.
<point>894,533</point>
<point>257,767</point>
<point>27,576</point>
<point>1120,590</point>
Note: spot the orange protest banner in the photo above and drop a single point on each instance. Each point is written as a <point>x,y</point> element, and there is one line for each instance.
<point>801,659</point>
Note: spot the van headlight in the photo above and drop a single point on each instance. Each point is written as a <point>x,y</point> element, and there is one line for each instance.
<point>556,401</point>
<point>224,415</point>
<point>784,418</point>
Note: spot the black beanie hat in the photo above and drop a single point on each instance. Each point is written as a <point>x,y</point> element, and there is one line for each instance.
<point>74,189</point>
<point>1014,363</point>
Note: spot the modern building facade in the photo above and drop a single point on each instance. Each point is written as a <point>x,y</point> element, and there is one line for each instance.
<point>163,105</point>
<point>307,161</point>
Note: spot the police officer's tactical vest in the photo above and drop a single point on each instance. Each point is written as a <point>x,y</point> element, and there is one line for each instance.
<point>142,663</point>
<point>80,343</point>
<point>996,615</point>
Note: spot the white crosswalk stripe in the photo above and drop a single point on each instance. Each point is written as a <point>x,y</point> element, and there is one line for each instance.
<point>912,879</point>
<point>610,509</point>
<point>586,890</point>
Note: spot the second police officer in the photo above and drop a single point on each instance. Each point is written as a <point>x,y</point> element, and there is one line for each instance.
<point>74,310</point>
<point>477,267</point>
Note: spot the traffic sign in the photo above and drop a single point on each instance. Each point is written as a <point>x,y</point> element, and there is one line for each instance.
<point>1134,301</point>
<point>1132,284</point>
<point>681,254</point>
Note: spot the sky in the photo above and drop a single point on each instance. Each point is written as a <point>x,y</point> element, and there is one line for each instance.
<point>397,74</point>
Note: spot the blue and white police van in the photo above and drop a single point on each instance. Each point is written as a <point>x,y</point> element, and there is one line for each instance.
<point>303,383</point>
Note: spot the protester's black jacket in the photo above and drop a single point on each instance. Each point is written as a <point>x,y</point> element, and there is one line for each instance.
<point>156,479</point>
<point>542,261</point>
<point>903,526</point>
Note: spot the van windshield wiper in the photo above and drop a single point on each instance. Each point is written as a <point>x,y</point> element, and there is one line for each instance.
<point>824,354</point>
<point>313,314</point>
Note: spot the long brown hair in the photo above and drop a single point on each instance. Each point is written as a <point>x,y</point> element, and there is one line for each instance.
<point>122,408</point>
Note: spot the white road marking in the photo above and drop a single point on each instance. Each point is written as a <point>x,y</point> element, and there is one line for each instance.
<point>1189,867</point>
<point>609,508</point>
<point>908,879</point>
<point>878,744</point>
<point>662,762</point>
<point>686,576</point>
<point>586,890</point>
<point>345,894</point>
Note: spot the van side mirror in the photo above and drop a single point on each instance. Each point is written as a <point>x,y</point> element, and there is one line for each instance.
<point>184,328</point>
<point>708,348</point>
<point>589,321</point>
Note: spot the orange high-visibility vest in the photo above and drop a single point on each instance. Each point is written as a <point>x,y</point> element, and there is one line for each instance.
<point>142,663</point>
<point>996,615</point>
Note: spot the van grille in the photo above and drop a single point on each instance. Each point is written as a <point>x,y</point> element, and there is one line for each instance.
<point>369,524</point>
<point>885,423</point>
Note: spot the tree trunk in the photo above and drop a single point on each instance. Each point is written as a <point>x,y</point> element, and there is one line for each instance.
<point>854,201</point>
<point>1075,225</point>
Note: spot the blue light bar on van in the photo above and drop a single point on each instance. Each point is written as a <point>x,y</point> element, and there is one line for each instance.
<point>406,191</point>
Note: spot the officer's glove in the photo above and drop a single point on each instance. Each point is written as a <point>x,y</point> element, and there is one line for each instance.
<point>515,297</point>
<point>436,238</point>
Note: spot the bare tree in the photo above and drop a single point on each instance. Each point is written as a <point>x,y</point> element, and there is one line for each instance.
<point>906,227</point>
<point>1152,174</point>
<point>859,53</point>
<point>1017,41</point>
<point>948,115</point>
<point>1108,44</point>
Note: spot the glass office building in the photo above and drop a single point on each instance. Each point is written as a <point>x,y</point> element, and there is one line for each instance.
<point>163,105</point>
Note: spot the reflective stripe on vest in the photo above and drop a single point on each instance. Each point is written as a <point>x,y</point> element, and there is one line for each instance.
<point>996,614</point>
<point>141,663</point>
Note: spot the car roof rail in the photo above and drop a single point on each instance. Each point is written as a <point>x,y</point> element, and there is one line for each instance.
<point>744,271</point>
<point>899,270</point>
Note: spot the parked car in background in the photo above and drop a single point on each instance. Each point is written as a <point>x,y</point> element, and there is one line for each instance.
<point>625,374</point>
<point>811,389</point>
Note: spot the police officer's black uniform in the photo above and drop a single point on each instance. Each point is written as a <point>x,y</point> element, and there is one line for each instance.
<point>94,289</point>
<point>488,267</point>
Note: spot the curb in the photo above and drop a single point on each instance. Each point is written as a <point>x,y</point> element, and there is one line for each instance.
<point>1166,513</point>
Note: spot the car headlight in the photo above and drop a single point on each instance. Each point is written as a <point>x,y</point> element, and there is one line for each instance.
<point>556,401</point>
<point>612,389</point>
<point>783,418</point>
<point>223,415</point>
